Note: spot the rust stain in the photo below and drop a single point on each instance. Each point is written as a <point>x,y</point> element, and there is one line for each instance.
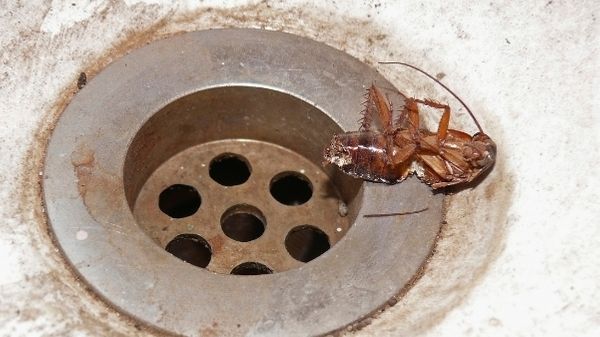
<point>99,191</point>
<point>83,161</point>
<point>216,244</point>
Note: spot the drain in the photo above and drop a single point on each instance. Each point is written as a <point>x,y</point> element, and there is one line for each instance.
<point>243,223</point>
<point>291,188</point>
<point>246,219</point>
<point>190,163</point>
<point>179,201</point>
<point>251,268</point>
<point>190,248</point>
<point>305,243</point>
<point>229,169</point>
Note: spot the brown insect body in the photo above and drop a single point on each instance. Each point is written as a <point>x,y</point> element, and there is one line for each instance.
<point>363,155</point>
<point>388,150</point>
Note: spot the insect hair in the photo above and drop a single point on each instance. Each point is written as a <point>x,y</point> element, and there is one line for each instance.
<point>441,84</point>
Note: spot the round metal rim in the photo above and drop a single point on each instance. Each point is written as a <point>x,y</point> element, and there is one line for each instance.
<point>371,264</point>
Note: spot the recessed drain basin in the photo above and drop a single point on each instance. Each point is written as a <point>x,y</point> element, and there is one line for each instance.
<point>240,167</point>
<point>184,184</point>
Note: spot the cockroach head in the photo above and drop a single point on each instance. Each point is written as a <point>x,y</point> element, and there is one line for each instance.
<point>336,153</point>
<point>486,149</point>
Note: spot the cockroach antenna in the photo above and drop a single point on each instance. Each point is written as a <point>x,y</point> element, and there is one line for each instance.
<point>441,84</point>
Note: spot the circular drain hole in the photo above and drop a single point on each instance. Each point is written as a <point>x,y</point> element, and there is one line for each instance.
<point>236,233</point>
<point>190,248</point>
<point>251,268</point>
<point>229,169</point>
<point>291,188</point>
<point>305,243</point>
<point>179,201</point>
<point>243,223</point>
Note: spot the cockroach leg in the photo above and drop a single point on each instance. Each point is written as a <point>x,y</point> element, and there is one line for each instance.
<point>382,107</point>
<point>411,108</point>
<point>377,114</point>
<point>443,86</point>
<point>444,121</point>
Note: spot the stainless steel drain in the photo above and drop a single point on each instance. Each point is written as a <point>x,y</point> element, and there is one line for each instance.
<point>244,197</point>
<point>206,148</point>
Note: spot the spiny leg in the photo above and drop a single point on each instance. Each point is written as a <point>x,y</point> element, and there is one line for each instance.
<point>377,114</point>
<point>383,107</point>
<point>367,114</point>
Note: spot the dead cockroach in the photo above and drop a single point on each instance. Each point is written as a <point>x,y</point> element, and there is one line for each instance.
<point>389,150</point>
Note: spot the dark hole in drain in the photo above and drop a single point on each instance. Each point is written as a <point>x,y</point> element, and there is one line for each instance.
<point>229,169</point>
<point>291,188</point>
<point>243,223</point>
<point>191,248</point>
<point>305,243</point>
<point>251,268</point>
<point>179,201</point>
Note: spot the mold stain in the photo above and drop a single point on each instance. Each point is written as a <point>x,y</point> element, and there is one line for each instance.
<point>358,37</point>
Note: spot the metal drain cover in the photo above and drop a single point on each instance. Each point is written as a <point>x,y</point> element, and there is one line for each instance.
<point>206,148</point>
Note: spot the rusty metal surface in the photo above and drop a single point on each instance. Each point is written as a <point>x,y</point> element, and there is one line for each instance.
<point>89,190</point>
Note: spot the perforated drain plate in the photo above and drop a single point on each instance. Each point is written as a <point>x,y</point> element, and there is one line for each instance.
<point>184,184</point>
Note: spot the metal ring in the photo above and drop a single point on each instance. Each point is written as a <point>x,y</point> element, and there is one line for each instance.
<point>371,263</point>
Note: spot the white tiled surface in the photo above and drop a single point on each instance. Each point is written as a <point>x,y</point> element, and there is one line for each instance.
<point>520,254</point>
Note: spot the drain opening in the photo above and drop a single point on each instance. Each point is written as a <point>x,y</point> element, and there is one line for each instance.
<point>265,163</point>
<point>251,268</point>
<point>291,188</point>
<point>243,223</point>
<point>190,248</point>
<point>179,201</point>
<point>229,169</point>
<point>305,243</point>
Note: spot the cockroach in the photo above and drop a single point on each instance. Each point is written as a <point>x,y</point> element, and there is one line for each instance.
<point>388,150</point>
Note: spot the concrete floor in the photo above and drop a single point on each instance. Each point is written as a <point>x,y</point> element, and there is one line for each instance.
<point>519,254</point>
